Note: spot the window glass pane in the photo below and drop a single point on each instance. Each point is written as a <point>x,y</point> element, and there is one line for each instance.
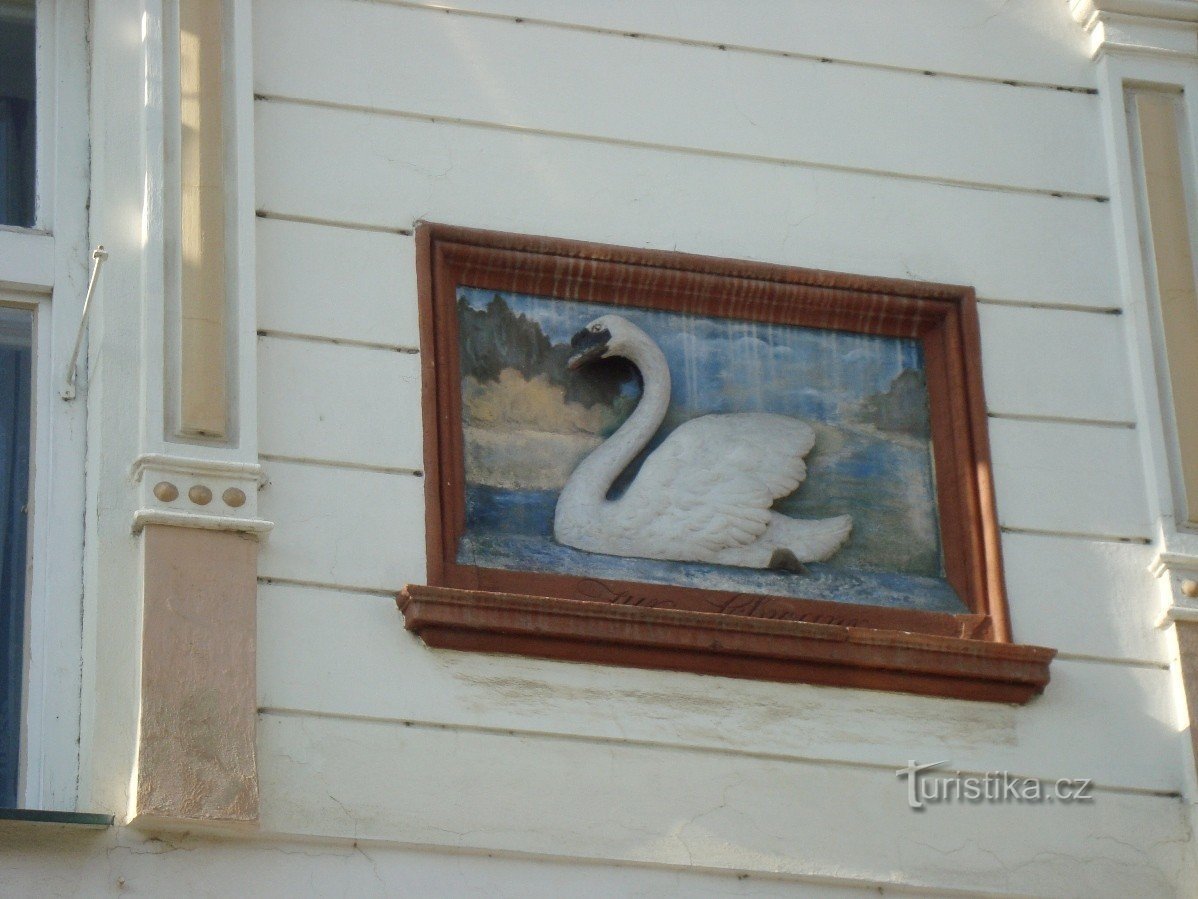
<point>16,351</point>
<point>17,131</point>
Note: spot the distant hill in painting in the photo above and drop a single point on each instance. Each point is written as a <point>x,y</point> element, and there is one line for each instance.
<point>902,407</point>
<point>496,338</point>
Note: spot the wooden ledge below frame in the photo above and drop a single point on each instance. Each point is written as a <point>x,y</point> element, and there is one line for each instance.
<point>728,645</point>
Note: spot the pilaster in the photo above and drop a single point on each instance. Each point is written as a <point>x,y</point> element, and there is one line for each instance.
<point>1146,55</point>
<point>172,407</point>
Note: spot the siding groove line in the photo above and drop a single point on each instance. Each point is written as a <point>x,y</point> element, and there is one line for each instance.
<point>1075,535</point>
<point>390,594</point>
<point>334,463</point>
<point>669,746</point>
<point>338,341</point>
<point>483,124</point>
<point>724,47</point>
<point>1057,307</point>
<point>276,215</point>
<point>1111,660</point>
<point>357,844</point>
<point>1063,420</point>
<point>332,223</point>
<point>1000,416</point>
<point>270,580</point>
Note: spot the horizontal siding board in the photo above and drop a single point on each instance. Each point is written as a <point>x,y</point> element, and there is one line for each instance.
<point>1112,723</point>
<point>1085,597</point>
<point>1055,363</point>
<point>1048,476</point>
<point>350,284</point>
<point>333,282</point>
<point>365,780</point>
<point>494,71</point>
<point>393,171</point>
<point>340,403</point>
<point>78,862</point>
<point>365,529</point>
<point>359,528</point>
<point>1069,478</point>
<point>1001,39</point>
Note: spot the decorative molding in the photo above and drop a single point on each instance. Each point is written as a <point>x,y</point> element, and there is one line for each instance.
<point>1172,10</point>
<point>728,645</point>
<point>942,316</point>
<point>1180,587</point>
<point>185,465</point>
<point>1174,563</point>
<point>197,493</point>
<point>142,517</point>
<point>1166,28</point>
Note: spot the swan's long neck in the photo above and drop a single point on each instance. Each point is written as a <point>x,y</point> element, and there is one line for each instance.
<point>594,475</point>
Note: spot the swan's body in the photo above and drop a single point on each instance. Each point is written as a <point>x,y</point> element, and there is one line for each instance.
<point>705,494</point>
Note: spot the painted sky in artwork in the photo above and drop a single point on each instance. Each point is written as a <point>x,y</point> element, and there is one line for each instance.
<point>528,421</point>
<point>726,365</point>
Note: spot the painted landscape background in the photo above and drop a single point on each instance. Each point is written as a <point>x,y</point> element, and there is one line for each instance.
<point>528,421</point>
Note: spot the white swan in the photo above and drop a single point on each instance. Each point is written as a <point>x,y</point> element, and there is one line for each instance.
<point>705,494</point>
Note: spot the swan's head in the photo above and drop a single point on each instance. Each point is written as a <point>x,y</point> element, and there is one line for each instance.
<point>608,335</point>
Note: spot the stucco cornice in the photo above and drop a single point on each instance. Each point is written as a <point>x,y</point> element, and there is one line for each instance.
<point>1169,10</point>
<point>197,493</point>
<point>1163,28</point>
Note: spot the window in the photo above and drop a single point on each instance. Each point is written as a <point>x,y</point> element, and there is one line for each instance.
<point>43,270</point>
<point>17,143</point>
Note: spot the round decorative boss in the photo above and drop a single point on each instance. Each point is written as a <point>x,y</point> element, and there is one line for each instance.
<point>166,492</point>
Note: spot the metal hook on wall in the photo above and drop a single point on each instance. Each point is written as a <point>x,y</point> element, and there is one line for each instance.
<point>99,254</point>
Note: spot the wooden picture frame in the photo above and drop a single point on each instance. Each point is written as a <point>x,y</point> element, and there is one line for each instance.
<point>967,653</point>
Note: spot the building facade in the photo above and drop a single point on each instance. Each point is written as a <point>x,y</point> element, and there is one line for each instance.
<point>210,514</point>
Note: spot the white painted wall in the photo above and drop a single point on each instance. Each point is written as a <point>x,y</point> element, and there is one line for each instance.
<point>957,141</point>
<point>710,128</point>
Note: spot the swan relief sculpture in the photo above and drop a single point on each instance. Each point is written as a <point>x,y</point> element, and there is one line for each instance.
<point>705,494</point>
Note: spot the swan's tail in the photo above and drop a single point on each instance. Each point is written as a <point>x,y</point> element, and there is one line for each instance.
<point>809,541</point>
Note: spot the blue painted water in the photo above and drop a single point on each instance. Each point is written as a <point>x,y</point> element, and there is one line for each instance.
<point>513,530</point>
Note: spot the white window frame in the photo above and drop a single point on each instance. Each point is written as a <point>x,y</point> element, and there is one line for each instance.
<point>44,269</point>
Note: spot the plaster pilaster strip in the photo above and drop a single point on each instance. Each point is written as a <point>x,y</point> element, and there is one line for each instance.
<point>196,757</point>
<point>196,509</point>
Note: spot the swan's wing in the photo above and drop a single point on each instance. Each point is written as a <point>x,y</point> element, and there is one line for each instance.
<point>713,480</point>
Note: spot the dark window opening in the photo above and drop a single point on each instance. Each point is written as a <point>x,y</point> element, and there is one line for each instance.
<point>16,353</point>
<point>18,129</point>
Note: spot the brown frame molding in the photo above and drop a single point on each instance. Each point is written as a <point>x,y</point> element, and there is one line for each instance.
<point>728,645</point>
<point>943,317</point>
